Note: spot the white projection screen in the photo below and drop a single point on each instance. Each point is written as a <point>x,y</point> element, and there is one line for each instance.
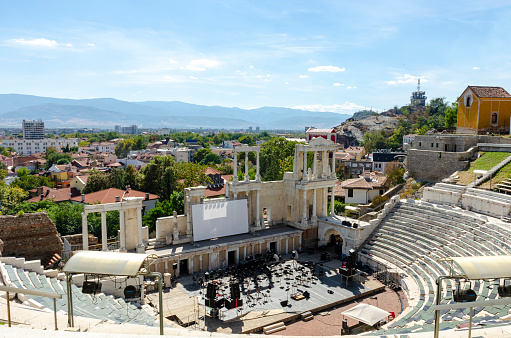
<point>219,219</point>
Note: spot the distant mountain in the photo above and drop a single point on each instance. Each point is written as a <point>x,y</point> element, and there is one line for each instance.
<point>107,112</point>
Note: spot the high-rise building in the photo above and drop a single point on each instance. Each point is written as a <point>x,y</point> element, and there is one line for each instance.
<point>33,130</point>
<point>249,130</point>
<point>132,130</point>
<point>118,129</point>
<point>257,130</point>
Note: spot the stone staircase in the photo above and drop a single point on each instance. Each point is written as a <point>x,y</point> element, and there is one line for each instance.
<point>274,328</point>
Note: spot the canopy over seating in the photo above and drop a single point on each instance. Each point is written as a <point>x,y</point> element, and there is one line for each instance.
<point>366,313</point>
<point>109,263</point>
<point>483,267</point>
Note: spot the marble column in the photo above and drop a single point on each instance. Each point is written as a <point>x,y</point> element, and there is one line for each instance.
<point>314,208</point>
<point>258,219</point>
<point>287,245</point>
<point>325,203</point>
<point>332,199</point>
<point>200,263</point>
<point>104,235</point>
<point>85,232</point>
<point>325,161</point>
<point>304,165</point>
<point>314,165</point>
<point>235,159</point>
<point>332,175</point>
<point>140,246</point>
<point>122,226</point>
<point>304,213</point>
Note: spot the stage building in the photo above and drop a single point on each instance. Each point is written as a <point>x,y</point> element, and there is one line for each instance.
<point>255,217</point>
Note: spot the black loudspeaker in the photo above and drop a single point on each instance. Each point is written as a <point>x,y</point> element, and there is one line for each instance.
<point>235,290</point>
<point>221,302</point>
<point>174,266</point>
<point>91,287</point>
<point>234,303</point>
<point>504,291</point>
<point>283,303</point>
<point>211,291</point>
<point>209,302</point>
<point>131,291</point>
<point>463,296</point>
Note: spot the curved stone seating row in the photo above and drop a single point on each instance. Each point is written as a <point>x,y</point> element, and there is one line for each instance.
<point>98,306</point>
<point>414,236</point>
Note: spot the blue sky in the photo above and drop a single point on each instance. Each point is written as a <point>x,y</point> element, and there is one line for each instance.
<point>336,56</point>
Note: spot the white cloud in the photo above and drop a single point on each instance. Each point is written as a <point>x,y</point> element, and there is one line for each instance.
<point>41,42</point>
<point>91,45</point>
<point>304,76</point>
<point>475,68</point>
<point>173,62</point>
<point>192,77</point>
<point>201,65</point>
<point>350,87</point>
<point>337,84</point>
<point>345,108</point>
<point>331,69</point>
<point>405,79</point>
<point>69,45</point>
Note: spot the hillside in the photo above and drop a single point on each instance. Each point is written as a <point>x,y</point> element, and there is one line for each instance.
<point>107,113</point>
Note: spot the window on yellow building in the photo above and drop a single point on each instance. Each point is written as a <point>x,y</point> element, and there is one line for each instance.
<point>468,101</point>
<point>494,118</point>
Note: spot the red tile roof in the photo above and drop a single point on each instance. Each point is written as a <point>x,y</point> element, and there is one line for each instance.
<point>108,196</point>
<point>212,171</point>
<point>216,192</point>
<point>491,92</point>
<point>58,195</point>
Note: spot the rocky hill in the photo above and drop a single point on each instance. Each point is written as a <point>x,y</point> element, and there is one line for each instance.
<point>352,131</point>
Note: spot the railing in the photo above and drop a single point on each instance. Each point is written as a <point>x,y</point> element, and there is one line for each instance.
<point>8,289</point>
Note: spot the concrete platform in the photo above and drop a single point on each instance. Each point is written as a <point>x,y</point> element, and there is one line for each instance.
<point>185,302</point>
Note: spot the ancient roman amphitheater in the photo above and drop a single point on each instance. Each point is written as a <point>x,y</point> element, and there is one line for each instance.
<point>448,255</point>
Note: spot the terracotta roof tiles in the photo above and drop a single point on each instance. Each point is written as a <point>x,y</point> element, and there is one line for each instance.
<point>491,92</point>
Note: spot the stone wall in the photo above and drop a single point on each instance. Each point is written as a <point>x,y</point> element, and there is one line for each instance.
<point>433,166</point>
<point>441,142</point>
<point>32,236</point>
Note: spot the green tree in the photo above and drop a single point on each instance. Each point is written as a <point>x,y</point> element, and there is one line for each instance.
<point>247,139</point>
<point>273,154</point>
<point>132,177</point>
<point>201,154</point>
<point>10,197</point>
<point>168,184</point>
<point>394,172</point>
<point>96,182</point>
<point>211,158</point>
<point>375,140</point>
<point>451,116</point>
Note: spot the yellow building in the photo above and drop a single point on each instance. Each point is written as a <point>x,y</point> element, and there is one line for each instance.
<point>484,110</point>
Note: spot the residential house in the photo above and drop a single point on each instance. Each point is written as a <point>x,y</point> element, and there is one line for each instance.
<point>357,152</point>
<point>407,141</point>
<point>79,182</point>
<point>328,134</point>
<point>56,195</point>
<point>383,157</point>
<point>29,147</point>
<point>105,158</point>
<point>230,144</point>
<point>103,147</point>
<point>483,109</point>
<point>363,189</point>
<point>61,174</point>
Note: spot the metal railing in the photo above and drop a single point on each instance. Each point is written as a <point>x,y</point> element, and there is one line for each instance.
<point>8,289</point>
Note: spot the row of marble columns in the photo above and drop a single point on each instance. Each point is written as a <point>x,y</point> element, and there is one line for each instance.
<point>241,253</point>
<point>104,234</point>
<point>314,165</point>
<point>246,178</point>
<point>314,204</point>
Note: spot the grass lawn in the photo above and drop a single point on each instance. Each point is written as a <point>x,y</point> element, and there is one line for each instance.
<point>486,161</point>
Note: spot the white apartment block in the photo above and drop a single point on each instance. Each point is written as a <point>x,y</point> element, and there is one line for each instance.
<point>103,147</point>
<point>29,147</point>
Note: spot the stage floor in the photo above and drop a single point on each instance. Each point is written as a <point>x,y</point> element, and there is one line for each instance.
<point>185,302</point>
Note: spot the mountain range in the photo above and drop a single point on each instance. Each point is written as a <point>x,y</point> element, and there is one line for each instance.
<point>108,112</point>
